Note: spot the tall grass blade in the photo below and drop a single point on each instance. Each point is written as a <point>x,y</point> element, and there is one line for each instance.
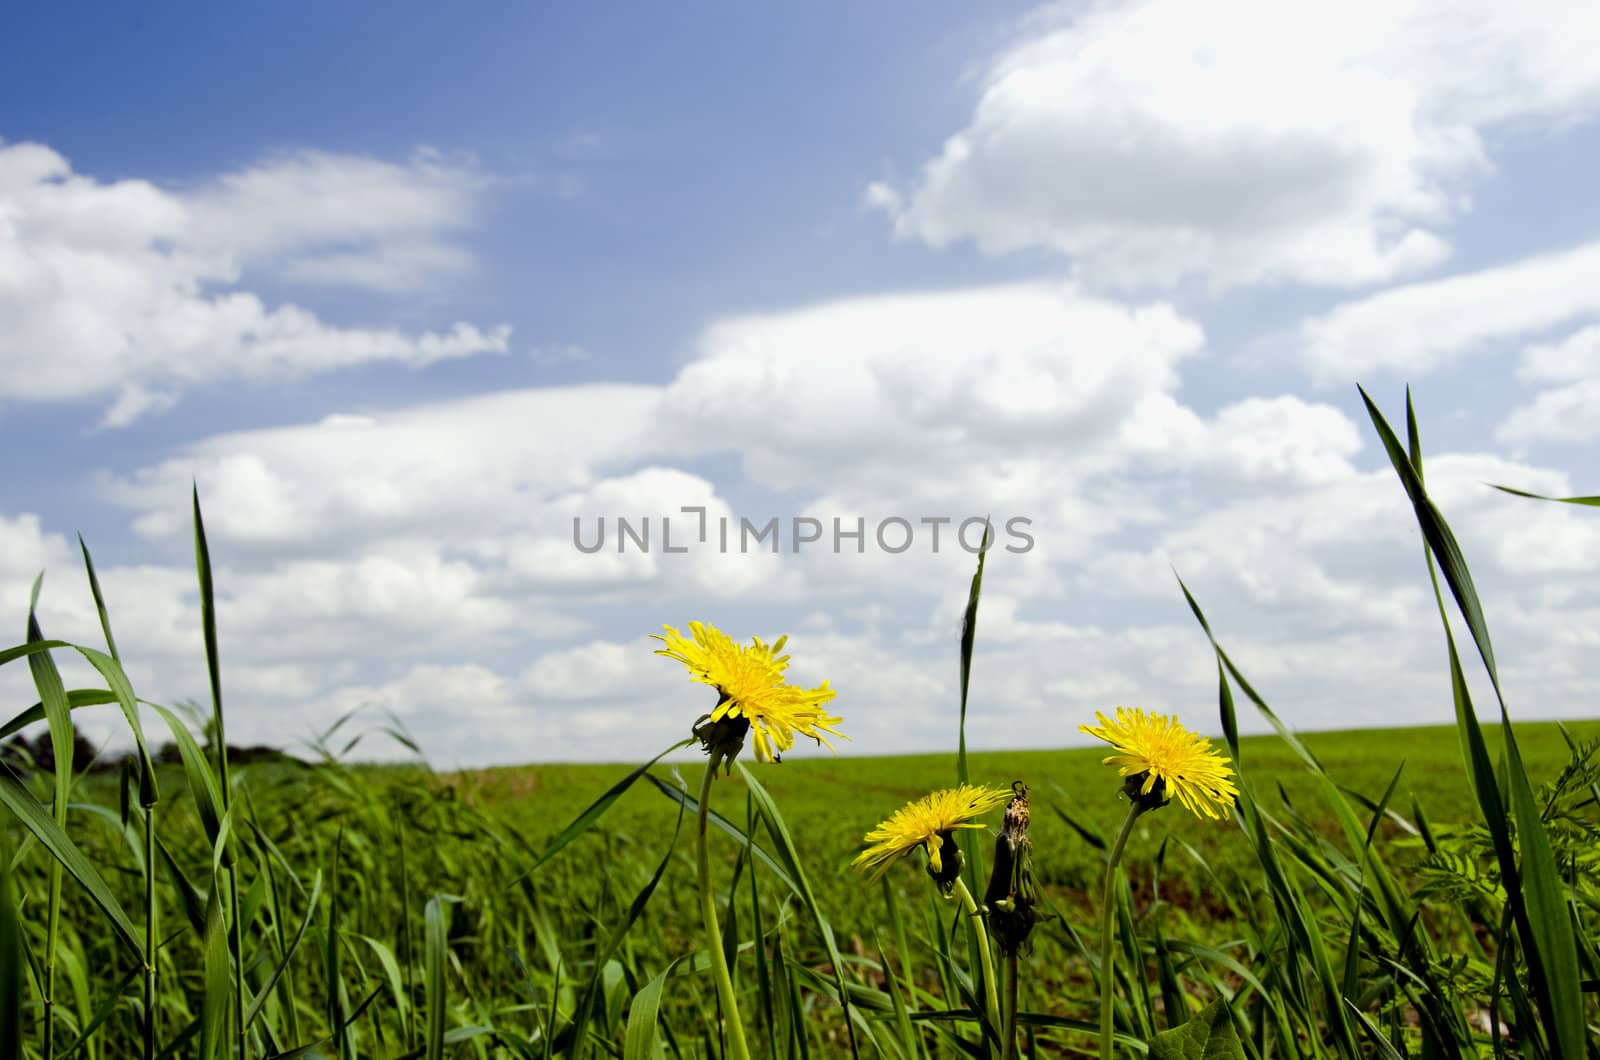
<point>76,698</point>
<point>218,978</point>
<point>260,999</point>
<point>1536,894</point>
<point>585,820</point>
<point>787,854</point>
<point>11,964</point>
<point>1591,502</point>
<point>68,857</point>
<point>604,953</point>
<point>642,1041</point>
<point>435,990</point>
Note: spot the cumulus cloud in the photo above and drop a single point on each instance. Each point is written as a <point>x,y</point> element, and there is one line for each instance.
<point>420,560</point>
<point>1158,140</point>
<point>863,390</point>
<point>1567,407</point>
<point>133,292</point>
<point>1420,328</point>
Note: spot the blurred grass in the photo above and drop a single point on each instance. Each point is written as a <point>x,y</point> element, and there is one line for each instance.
<point>835,800</point>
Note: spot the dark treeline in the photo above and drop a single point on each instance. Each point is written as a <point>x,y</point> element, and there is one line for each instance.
<point>22,756</point>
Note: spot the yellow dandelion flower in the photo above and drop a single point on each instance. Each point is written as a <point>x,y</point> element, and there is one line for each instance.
<point>1155,749</point>
<point>754,697</point>
<point>928,823</point>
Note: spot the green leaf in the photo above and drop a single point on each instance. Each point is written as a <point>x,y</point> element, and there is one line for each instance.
<point>1534,891</point>
<point>11,984</point>
<point>1207,1036</point>
<point>604,953</point>
<point>202,782</point>
<point>218,978</point>
<point>435,946</point>
<point>791,860</point>
<point>110,667</point>
<point>588,817</point>
<point>288,953</point>
<point>641,1042</point>
<point>52,838</point>
<point>76,697</point>
<point>1592,502</point>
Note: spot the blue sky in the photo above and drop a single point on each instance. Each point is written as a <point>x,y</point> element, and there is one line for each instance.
<point>406,295</point>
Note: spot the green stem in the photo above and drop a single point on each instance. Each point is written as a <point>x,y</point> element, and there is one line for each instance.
<point>1108,1004</point>
<point>737,1048</point>
<point>238,962</point>
<point>991,998</point>
<point>149,933</point>
<point>1008,1042</point>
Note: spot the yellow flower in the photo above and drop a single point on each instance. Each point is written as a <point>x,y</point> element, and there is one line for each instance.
<point>1155,749</point>
<point>753,694</point>
<point>928,823</point>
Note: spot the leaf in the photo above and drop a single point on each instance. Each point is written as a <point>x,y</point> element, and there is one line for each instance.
<point>1535,896</point>
<point>604,953</point>
<point>218,978</point>
<point>435,946</point>
<point>1592,502</point>
<point>76,697</point>
<point>11,985</point>
<point>288,952</point>
<point>52,838</point>
<point>1207,1036</point>
<point>641,1042</point>
<point>588,817</point>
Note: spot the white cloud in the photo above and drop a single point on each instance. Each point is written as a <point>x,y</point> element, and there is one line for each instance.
<point>1424,327</point>
<point>420,559</point>
<point>1248,141</point>
<point>128,291</point>
<point>858,392</point>
<point>1568,411</point>
<point>343,219</point>
<point>490,462</point>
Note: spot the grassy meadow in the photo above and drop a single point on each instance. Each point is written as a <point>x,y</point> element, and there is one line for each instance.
<point>1394,893</point>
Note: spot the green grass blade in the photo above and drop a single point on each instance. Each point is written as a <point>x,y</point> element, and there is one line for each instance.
<point>122,690</point>
<point>642,1034</point>
<point>76,698</point>
<point>1591,502</point>
<point>435,989</point>
<point>34,818</point>
<point>218,978</point>
<point>604,953</point>
<point>969,634</point>
<point>203,786</point>
<point>260,999</point>
<point>31,648</point>
<point>691,805</point>
<point>585,820</point>
<point>208,627</point>
<point>1441,541</point>
<point>11,964</point>
<point>787,854</point>
<point>1535,896</point>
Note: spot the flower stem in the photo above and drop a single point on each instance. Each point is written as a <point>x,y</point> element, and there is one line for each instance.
<point>737,1049</point>
<point>991,1000</point>
<point>1008,1040</point>
<point>1108,1005</point>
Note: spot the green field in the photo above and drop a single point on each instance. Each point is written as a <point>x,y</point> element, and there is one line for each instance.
<point>1390,893</point>
<point>833,801</point>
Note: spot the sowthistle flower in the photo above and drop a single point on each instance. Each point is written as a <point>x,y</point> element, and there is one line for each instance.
<point>930,823</point>
<point>1158,759</point>
<point>1162,759</point>
<point>754,698</point>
